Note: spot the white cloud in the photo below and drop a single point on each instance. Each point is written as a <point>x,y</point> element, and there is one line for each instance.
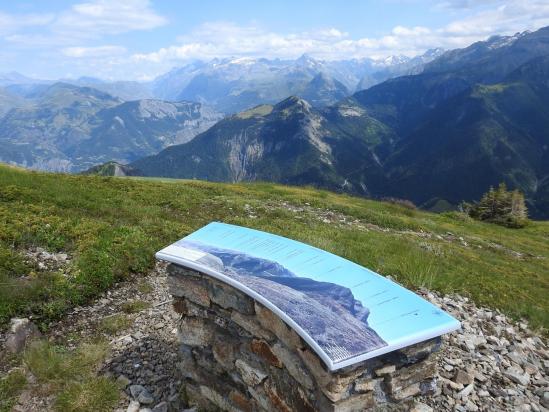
<point>97,51</point>
<point>10,23</point>
<point>81,36</point>
<point>224,39</point>
<point>103,17</point>
<point>68,38</point>
<point>94,19</point>
<point>506,17</point>
<point>464,4</point>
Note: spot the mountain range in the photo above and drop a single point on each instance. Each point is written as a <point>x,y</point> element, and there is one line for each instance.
<point>436,129</point>
<point>472,118</point>
<point>233,84</point>
<point>72,124</point>
<point>68,128</point>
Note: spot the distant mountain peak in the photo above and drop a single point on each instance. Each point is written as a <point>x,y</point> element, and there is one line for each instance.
<point>306,60</point>
<point>243,60</point>
<point>89,80</point>
<point>435,52</point>
<point>293,103</point>
<point>13,77</point>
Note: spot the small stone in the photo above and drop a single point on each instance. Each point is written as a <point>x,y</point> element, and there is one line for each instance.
<point>362,402</point>
<point>470,406</point>
<point>161,407</point>
<point>466,391</point>
<point>480,377</point>
<point>514,375</point>
<point>145,397</point>
<point>196,331</point>
<point>366,384</point>
<point>241,401</point>
<point>407,392</point>
<point>421,407</point>
<point>249,324</point>
<point>386,370</point>
<point>264,350</point>
<point>225,350</point>
<point>545,399</point>
<point>252,376</point>
<point>133,406</point>
<point>186,284</point>
<point>293,365</point>
<point>453,362</point>
<point>230,298</point>
<point>135,390</point>
<point>530,369</point>
<point>122,382</point>
<point>463,377</point>
<point>21,331</point>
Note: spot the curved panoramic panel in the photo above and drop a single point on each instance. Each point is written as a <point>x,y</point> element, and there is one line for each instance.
<point>345,312</point>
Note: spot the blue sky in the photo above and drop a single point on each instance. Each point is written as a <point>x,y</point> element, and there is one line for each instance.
<point>139,39</point>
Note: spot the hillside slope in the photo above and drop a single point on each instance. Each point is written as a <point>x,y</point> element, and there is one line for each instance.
<point>113,226</point>
<point>63,127</point>
<point>290,143</point>
<point>474,118</point>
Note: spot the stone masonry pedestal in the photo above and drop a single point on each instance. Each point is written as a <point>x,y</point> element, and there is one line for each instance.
<point>237,355</point>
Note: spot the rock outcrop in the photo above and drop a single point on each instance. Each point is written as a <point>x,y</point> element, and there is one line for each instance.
<point>21,331</point>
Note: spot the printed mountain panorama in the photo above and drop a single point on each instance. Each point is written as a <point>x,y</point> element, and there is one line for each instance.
<point>437,129</point>
<point>326,311</point>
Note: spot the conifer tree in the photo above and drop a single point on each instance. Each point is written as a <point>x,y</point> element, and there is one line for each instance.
<point>500,206</point>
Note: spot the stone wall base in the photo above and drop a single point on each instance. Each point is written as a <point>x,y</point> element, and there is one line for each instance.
<point>236,355</point>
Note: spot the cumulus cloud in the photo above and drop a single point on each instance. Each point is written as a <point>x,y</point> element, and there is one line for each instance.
<point>10,23</point>
<point>97,51</point>
<point>224,39</point>
<point>92,19</point>
<point>83,35</point>
<point>70,36</point>
<point>103,17</point>
<point>505,17</point>
<point>464,4</point>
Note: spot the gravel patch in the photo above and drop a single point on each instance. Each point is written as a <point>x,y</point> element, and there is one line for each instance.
<point>492,363</point>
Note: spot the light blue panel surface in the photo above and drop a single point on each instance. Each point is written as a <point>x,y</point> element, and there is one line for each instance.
<point>386,310</point>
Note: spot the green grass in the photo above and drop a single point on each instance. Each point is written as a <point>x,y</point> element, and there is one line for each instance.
<point>95,395</point>
<point>135,306</point>
<point>10,388</point>
<point>113,324</point>
<point>144,287</point>
<point>261,110</point>
<point>113,226</point>
<point>70,376</point>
